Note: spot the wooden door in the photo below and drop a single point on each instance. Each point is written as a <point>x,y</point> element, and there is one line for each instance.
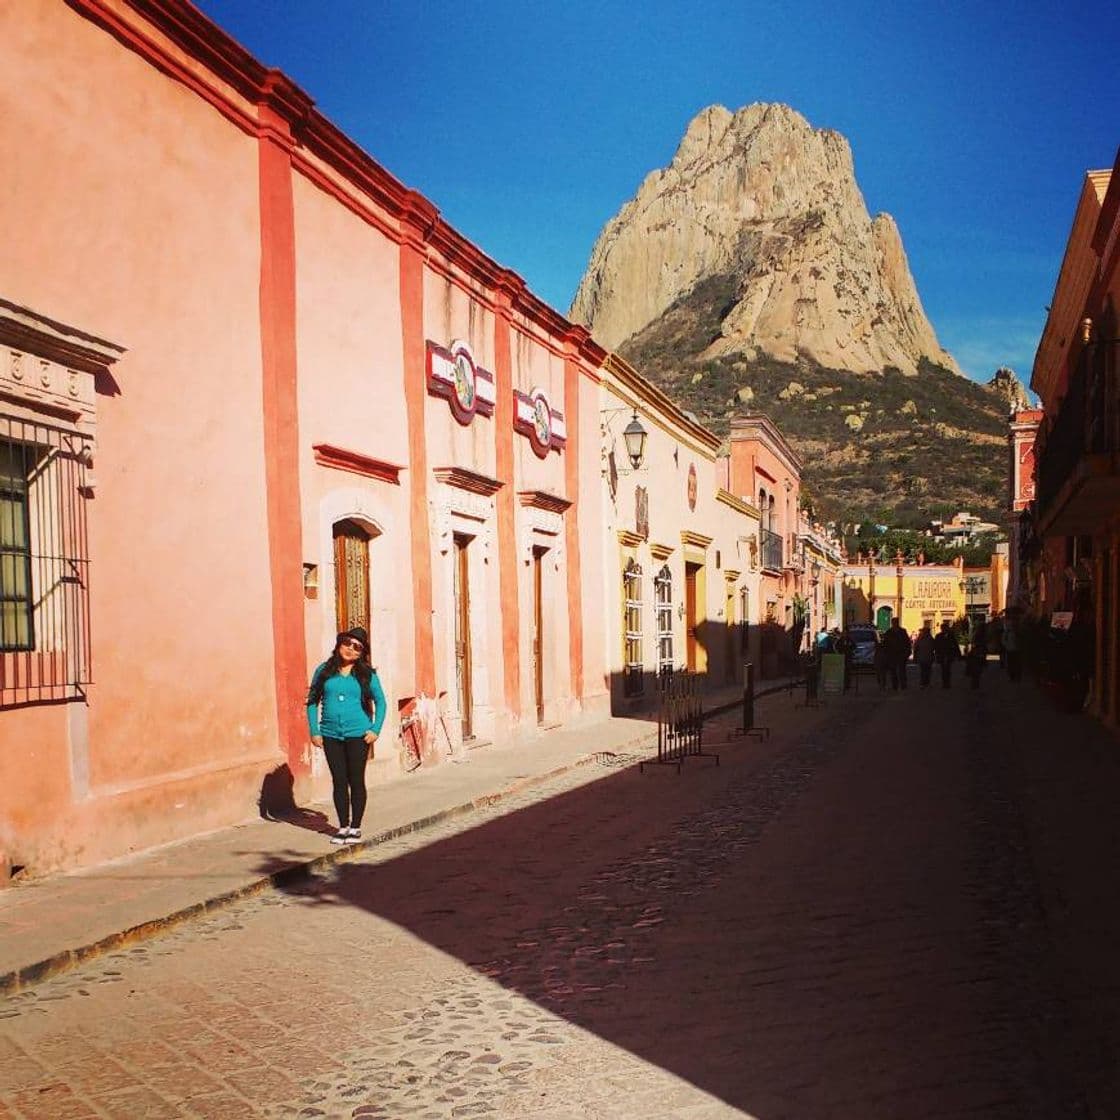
<point>690,571</point>
<point>729,620</point>
<point>351,576</point>
<point>463,635</point>
<point>538,633</point>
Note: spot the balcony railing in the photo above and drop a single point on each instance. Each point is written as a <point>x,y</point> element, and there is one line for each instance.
<point>795,562</point>
<point>1088,421</point>
<point>771,548</point>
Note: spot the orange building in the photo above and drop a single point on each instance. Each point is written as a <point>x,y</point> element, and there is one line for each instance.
<point>254,390</point>
<point>766,471</point>
<point>1074,550</point>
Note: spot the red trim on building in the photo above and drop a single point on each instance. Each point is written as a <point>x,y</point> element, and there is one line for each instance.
<point>415,394</point>
<point>506,510</point>
<point>281,434</point>
<point>571,526</point>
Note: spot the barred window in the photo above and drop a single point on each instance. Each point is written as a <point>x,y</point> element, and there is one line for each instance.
<point>44,564</point>
<point>632,680</point>
<point>663,589</point>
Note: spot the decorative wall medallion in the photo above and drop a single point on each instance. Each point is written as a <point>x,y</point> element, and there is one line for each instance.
<point>692,486</point>
<point>534,416</point>
<point>17,365</point>
<point>466,386</point>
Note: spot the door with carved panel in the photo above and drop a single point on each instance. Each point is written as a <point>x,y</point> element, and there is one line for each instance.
<point>351,576</point>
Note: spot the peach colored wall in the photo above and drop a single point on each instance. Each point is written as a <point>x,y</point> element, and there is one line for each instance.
<point>454,311</point>
<point>351,397</point>
<point>537,367</point>
<point>591,520</point>
<point>134,215</point>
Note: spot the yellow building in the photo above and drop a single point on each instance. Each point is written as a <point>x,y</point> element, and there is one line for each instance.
<point>877,592</point>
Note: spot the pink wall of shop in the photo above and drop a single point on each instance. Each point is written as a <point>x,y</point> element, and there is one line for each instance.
<point>264,301</point>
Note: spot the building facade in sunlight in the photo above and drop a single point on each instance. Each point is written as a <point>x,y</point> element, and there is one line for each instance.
<point>253,392</point>
<point>798,559</point>
<point>680,562</point>
<point>1073,558</point>
<point>1022,435</point>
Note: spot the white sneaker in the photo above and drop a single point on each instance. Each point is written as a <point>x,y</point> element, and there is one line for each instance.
<point>341,836</point>
<point>354,836</point>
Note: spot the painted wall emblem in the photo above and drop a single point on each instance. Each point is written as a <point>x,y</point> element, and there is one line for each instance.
<point>641,512</point>
<point>692,486</point>
<point>534,416</point>
<point>454,375</point>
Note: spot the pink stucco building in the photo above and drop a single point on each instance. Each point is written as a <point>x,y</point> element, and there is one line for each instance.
<point>254,390</point>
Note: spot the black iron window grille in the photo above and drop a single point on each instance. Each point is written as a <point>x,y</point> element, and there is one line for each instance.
<point>44,562</point>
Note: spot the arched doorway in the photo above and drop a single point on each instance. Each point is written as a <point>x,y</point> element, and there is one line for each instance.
<point>883,619</point>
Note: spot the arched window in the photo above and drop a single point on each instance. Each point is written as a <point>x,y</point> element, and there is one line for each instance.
<point>632,681</point>
<point>663,594</point>
<point>351,575</point>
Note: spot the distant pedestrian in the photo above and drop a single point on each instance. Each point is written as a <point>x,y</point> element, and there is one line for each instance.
<point>844,645</point>
<point>1012,643</point>
<point>898,646</point>
<point>345,712</point>
<point>924,647</point>
<point>977,653</point>
<point>881,660</point>
<point>946,650</point>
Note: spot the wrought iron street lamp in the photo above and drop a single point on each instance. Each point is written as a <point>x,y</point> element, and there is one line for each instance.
<point>634,436</point>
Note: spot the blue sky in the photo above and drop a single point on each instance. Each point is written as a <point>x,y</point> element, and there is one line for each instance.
<point>530,125</point>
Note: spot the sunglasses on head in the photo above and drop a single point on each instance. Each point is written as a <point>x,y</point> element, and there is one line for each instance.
<point>353,643</point>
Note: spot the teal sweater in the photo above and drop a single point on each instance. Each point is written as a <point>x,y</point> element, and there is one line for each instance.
<point>342,714</point>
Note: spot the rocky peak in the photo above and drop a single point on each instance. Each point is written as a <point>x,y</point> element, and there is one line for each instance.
<point>764,197</point>
<point>1006,385</point>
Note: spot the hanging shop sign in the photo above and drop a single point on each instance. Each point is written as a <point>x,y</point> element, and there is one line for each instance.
<point>454,375</point>
<point>534,416</point>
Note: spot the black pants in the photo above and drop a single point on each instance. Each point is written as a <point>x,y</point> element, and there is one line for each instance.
<point>925,671</point>
<point>898,675</point>
<point>946,673</point>
<point>347,761</point>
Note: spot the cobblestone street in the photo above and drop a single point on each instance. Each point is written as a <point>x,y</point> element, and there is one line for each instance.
<point>899,906</point>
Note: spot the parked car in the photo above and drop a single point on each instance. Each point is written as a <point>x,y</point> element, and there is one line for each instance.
<point>864,639</point>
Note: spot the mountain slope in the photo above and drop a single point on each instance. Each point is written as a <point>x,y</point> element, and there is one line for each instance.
<point>748,276</point>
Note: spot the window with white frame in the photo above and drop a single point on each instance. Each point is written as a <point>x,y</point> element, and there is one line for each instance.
<point>632,681</point>
<point>663,594</point>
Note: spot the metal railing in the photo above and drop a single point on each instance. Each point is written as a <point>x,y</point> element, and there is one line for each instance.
<point>680,721</point>
<point>770,549</point>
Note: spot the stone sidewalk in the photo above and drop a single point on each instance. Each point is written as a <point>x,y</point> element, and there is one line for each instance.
<point>50,925</point>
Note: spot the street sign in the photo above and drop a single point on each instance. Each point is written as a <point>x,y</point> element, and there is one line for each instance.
<point>832,672</point>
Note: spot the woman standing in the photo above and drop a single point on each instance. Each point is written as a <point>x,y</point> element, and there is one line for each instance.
<point>345,711</point>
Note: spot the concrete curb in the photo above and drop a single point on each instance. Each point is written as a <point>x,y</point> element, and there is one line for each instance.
<point>20,979</point>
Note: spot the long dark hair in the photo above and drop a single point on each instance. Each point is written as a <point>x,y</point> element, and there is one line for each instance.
<point>363,673</point>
